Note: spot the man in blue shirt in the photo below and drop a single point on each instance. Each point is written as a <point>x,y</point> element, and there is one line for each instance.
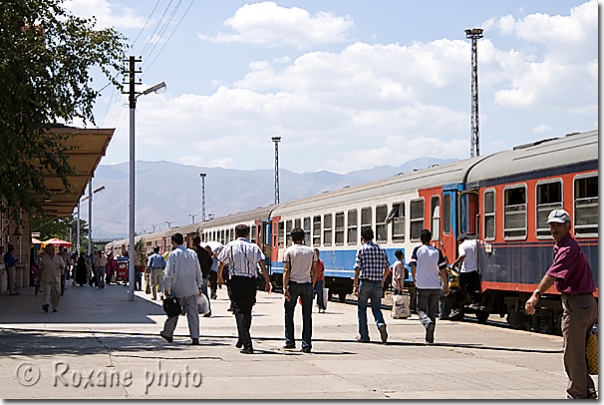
<point>370,270</point>
<point>10,263</point>
<point>156,264</point>
<point>427,264</point>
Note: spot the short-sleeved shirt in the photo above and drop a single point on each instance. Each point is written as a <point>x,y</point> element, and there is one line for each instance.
<point>242,256</point>
<point>428,261</point>
<point>571,268</point>
<point>371,259</point>
<point>320,270</point>
<point>156,261</point>
<point>300,258</point>
<point>51,268</point>
<point>469,248</point>
<point>398,275</point>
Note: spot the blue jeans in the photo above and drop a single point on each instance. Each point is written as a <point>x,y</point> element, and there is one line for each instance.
<point>369,289</point>
<point>204,290</point>
<point>319,290</point>
<point>305,291</point>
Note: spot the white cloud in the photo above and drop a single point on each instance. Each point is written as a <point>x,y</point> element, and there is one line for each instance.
<point>268,24</point>
<point>107,14</point>
<point>541,128</point>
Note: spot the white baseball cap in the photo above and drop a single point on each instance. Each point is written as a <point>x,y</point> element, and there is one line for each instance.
<point>558,216</point>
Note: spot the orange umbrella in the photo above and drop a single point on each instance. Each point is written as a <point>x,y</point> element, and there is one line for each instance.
<point>35,241</point>
<point>56,242</point>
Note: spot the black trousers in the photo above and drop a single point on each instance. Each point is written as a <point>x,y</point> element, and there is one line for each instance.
<point>213,278</point>
<point>471,283</point>
<point>243,297</point>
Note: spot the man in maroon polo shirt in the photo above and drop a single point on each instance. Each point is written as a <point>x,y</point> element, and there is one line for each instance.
<point>571,274</point>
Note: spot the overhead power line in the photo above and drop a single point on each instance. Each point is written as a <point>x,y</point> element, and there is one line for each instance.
<point>156,27</point>
<point>146,22</point>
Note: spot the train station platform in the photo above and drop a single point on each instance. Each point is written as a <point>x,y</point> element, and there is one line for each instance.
<point>112,349</point>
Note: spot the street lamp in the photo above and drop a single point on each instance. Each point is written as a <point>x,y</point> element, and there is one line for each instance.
<point>158,88</point>
<point>88,197</point>
<point>192,218</point>
<point>203,196</point>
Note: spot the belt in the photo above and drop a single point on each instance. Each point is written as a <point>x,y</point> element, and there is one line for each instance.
<point>581,293</point>
<point>155,268</point>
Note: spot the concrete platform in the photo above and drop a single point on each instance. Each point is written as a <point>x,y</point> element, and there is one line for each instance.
<point>102,337</point>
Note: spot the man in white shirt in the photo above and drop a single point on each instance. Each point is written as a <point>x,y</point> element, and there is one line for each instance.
<point>299,277</point>
<point>427,264</point>
<point>243,257</point>
<point>469,279</point>
<point>52,267</point>
<point>183,280</point>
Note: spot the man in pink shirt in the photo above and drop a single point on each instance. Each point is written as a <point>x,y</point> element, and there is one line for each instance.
<point>571,274</point>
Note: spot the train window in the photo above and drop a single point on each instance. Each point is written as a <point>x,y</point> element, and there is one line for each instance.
<point>253,231</point>
<point>280,234</point>
<point>298,223</point>
<point>514,212</point>
<point>316,230</point>
<point>327,233</point>
<point>307,231</point>
<point>549,197</point>
<point>489,215</point>
<point>469,213</point>
<point>228,235</point>
<point>366,217</point>
<point>435,209</point>
<point>288,232</point>
<point>353,220</point>
<point>447,213</point>
<point>586,206</point>
<point>397,216</point>
<point>340,228</point>
<point>381,227</point>
<point>222,240</point>
<point>232,234</point>
<point>416,220</point>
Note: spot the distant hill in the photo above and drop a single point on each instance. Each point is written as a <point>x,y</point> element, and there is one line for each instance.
<point>168,191</point>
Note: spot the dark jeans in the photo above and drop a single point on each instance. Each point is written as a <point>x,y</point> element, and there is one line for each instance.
<point>471,283</point>
<point>137,278</point>
<point>63,278</point>
<point>213,283</point>
<point>243,297</point>
<point>427,305</point>
<point>305,291</point>
<point>319,290</point>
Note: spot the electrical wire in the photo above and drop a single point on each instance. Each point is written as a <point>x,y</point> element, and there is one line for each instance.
<point>156,27</point>
<point>147,22</point>
<point>163,29</point>
<point>170,37</point>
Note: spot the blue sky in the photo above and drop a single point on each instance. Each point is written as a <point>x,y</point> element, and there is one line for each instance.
<point>348,85</point>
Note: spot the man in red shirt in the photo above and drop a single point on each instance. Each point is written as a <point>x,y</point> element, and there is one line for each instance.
<point>571,274</point>
<point>320,283</point>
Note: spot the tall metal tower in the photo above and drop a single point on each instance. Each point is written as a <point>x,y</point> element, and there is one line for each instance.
<point>203,196</point>
<point>276,139</point>
<point>474,34</point>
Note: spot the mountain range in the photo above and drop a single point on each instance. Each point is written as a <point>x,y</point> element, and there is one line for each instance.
<point>171,192</point>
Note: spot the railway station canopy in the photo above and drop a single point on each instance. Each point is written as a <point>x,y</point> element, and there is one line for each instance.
<point>89,145</point>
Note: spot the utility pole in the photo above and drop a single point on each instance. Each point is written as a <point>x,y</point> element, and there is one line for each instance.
<point>131,74</point>
<point>276,139</point>
<point>90,217</point>
<point>169,222</point>
<point>475,34</point>
<point>192,218</point>
<point>78,230</point>
<point>203,196</point>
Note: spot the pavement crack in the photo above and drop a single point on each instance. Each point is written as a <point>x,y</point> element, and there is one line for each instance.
<point>111,361</point>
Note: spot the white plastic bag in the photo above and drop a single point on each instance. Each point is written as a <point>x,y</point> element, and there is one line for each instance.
<point>203,306</point>
<point>400,306</point>
<point>325,296</point>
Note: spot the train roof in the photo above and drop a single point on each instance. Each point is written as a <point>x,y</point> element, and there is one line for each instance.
<point>436,175</point>
<point>245,216</point>
<point>544,154</point>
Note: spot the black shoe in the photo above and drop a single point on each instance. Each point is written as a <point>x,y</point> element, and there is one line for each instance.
<point>430,333</point>
<point>54,310</point>
<point>168,338</point>
<point>383,333</point>
<point>361,340</point>
<point>195,342</point>
<point>289,346</point>
<point>306,349</point>
<point>247,350</point>
<point>209,314</point>
<point>238,345</point>
<point>214,296</point>
<point>230,309</point>
<point>45,307</point>
<point>592,395</point>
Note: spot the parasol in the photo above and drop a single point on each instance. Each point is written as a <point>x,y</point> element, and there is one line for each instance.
<point>56,242</point>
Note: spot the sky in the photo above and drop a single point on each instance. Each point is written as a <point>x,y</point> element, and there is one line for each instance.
<point>347,85</point>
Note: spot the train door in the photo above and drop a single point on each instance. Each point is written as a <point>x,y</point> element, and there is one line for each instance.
<point>469,213</point>
<point>449,223</point>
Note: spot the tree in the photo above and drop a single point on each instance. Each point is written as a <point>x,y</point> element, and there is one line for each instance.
<point>46,55</point>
